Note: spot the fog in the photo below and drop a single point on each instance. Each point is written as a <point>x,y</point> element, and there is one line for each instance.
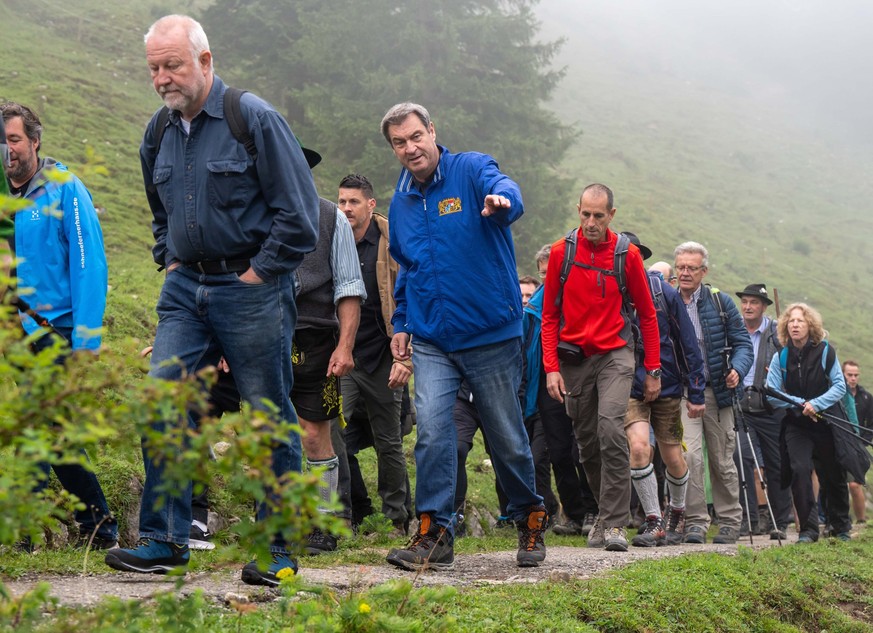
<point>813,59</point>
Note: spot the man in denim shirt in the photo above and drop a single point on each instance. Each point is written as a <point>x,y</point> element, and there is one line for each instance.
<point>230,228</point>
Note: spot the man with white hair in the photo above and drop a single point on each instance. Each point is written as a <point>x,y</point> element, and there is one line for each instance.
<point>727,357</point>
<point>232,222</point>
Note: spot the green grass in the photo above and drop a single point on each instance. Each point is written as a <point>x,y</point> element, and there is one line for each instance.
<point>823,587</point>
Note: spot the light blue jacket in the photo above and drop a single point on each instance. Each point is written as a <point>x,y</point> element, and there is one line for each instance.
<point>833,395</point>
<point>61,264</point>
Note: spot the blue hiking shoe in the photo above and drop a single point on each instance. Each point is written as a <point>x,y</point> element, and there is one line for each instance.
<point>281,567</point>
<point>149,557</point>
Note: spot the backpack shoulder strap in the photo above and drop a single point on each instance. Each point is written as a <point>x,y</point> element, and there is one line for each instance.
<point>656,285</point>
<point>160,119</point>
<point>773,335</point>
<point>237,123</point>
<point>160,126</point>
<point>618,260</point>
<point>783,362</point>
<point>828,358</point>
<point>567,263</point>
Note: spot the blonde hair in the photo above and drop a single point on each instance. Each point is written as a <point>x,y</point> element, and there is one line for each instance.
<point>817,333</point>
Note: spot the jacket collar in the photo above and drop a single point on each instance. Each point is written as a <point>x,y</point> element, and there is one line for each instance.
<point>39,180</point>
<point>407,182</point>
<point>535,303</point>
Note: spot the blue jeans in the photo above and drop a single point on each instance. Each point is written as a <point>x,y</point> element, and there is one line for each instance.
<point>75,478</point>
<point>493,373</point>
<point>201,318</point>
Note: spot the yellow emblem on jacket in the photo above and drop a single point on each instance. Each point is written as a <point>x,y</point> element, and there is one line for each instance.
<point>450,205</point>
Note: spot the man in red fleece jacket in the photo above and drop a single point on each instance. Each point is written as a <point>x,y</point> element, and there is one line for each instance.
<point>595,371</point>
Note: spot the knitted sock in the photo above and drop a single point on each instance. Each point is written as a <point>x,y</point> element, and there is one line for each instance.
<point>329,478</point>
<point>677,487</point>
<point>646,485</point>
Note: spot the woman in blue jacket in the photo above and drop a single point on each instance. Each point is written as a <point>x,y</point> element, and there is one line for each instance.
<point>807,372</point>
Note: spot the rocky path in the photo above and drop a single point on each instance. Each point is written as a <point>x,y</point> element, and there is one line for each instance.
<point>562,564</point>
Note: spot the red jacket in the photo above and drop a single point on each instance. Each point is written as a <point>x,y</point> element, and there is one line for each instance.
<point>591,306</point>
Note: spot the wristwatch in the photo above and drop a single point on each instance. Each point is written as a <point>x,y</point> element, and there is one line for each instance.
<point>654,373</point>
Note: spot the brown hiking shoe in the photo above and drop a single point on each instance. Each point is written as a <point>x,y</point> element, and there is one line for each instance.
<point>675,525</point>
<point>429,548</point>
<point>531,547</point>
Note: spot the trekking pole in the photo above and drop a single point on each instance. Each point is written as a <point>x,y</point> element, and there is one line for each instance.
<point>41,321</point>
<point>726,355</point>
<point>834,421</point>
<point>739,415</point>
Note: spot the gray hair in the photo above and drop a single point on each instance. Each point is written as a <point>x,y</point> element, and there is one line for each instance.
<point>398,113</point>
<point>193,29</point>
<point>543,254</point>
<point>695,248</point>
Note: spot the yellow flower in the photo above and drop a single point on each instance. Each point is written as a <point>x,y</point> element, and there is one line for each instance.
<point>285,572</point>
<point>363,608</point>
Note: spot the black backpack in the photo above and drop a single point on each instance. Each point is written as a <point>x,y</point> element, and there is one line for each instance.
<point>630,332</point>
<point>232,114</point>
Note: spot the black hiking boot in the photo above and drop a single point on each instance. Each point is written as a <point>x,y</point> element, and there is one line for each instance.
<point>429,548</point>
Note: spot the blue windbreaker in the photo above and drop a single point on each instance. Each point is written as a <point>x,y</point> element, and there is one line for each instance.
<point>533,350</point>
<point>457,287</point>
<point>61,263</point>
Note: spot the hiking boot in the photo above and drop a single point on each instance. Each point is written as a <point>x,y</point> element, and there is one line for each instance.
<point>149,557</point>
<point>281,567</point>
<point>588,523</point>
<point>460,526</point>
<point>696,534</point>
<point>726,536</point>
<point>98,542</point>
<point>531,547</point>
<point>400,529</point>
<point>778,534</point>
<point>595,536</point>
<point>318,542</point>
<point>844,536</point>
<point>615,539</point>
<point>429,548</point>
<point>569,528</point>
<point>652,533</point>
<point>503,523</point>
<point>199,536</point>
<point>807,537</point>
<point>675,525</point>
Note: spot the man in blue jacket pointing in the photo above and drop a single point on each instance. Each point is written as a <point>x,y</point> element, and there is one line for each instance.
<point>450,218</point>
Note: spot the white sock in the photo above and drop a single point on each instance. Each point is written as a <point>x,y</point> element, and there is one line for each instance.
<point>646,485</point>
<point>329,478</point>
<point>677,487</point>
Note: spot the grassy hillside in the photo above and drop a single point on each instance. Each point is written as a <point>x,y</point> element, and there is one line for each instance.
<point>82,68</point>
<point>773,202</point>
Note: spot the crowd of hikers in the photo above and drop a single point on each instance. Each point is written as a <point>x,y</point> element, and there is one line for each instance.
<point>649,396</point>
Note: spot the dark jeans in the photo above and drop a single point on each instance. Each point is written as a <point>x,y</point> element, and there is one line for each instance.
<point>75,478</point>
<point>201,318</point>
<point>810,445</point>
<point>573,489</point>
<point>467,421</point>
<point>764,431</point>
<point>358,435</point>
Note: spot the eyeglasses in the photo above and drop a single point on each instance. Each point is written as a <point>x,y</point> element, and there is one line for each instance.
<point>688,269</point>
<point>542,274</point>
